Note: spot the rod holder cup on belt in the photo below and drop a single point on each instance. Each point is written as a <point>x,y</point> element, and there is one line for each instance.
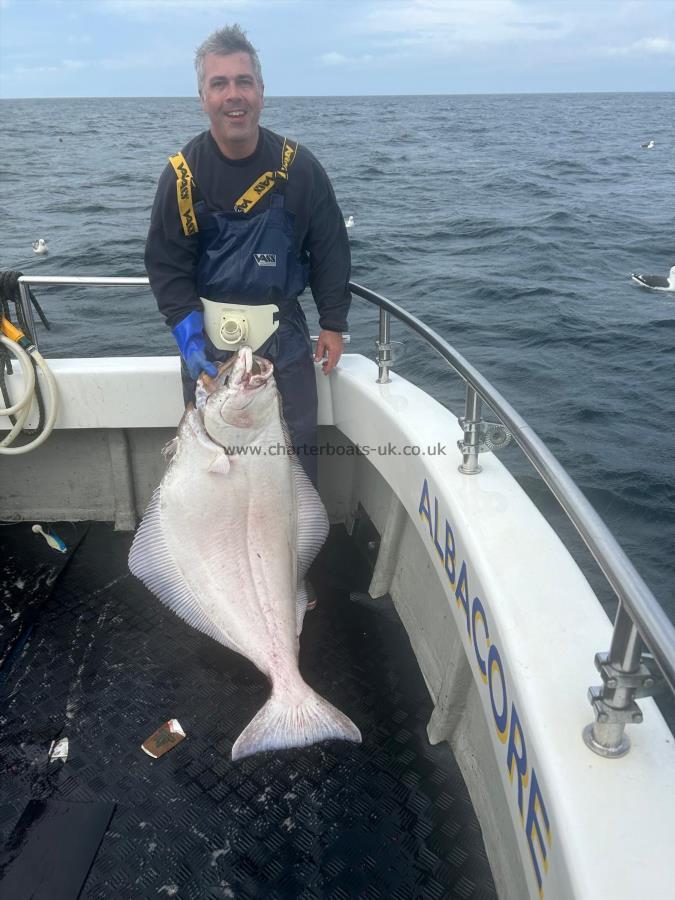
<point>233,325</point>
<point>234,329</point>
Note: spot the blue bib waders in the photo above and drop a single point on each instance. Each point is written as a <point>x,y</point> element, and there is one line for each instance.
<point>252,260</point>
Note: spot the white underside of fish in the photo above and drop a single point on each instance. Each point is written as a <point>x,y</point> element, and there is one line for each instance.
<point>225,543</point>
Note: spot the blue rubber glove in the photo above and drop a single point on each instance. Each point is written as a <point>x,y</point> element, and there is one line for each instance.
<point>189,335</point>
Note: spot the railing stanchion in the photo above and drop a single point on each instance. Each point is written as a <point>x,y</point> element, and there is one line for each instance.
<point>471,423</point>
<point>384,348</point>
<point>624,677</point>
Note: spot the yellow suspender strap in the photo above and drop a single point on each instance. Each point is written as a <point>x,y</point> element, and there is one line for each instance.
<point>268,179</point>
<point>184,182</point>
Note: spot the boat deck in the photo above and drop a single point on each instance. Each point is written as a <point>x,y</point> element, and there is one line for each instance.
<point>90,655</point>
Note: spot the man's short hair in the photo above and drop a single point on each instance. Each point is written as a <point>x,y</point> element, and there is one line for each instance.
<point>224,41</point>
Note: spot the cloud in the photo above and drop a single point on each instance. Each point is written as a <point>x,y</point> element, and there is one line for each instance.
<point>105,64</point>
<point>657,45</point>
<point>143,8</point>
<point>438,24</point>
<point>79,39</point>
<point>66,65</point>
<point>339,59</point>
<point>144,61</point>
<point>538,32</point>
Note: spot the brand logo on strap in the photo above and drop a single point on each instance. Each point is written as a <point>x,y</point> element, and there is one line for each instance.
<point>183,183</point>
<point>184,194</point>
<point>189,224</point>
<point>265,259</point>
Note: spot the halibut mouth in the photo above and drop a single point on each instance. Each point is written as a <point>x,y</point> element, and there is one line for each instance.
<point>248,372</point>
<point>242,372</point>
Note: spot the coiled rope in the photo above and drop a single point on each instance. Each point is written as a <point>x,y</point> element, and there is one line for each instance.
<point>18,342</point>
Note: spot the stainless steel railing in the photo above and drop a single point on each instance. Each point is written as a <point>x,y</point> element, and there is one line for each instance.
<point>639,617</point>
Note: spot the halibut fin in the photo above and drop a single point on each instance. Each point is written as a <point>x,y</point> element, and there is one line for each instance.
<point>169,450</point>
<point>151,560</point>
<point>279,726</point>
<point>301,601</point>
<point>312,525</point>
<point>220,464</point>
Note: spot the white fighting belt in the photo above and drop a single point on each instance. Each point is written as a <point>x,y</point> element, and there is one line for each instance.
<point>231,325</point>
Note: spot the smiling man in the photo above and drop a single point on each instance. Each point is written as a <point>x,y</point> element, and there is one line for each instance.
<point>232,96</point>
<point>243,220</point>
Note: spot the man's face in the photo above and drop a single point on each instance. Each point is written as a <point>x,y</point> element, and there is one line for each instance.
<point>232,99</point>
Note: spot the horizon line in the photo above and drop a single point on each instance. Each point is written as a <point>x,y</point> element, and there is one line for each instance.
<point>337,96</point>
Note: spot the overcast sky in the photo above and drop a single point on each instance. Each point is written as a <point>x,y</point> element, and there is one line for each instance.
<point>117,48</point>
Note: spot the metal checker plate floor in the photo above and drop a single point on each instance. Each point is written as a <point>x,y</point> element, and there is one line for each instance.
<point>106,664</point>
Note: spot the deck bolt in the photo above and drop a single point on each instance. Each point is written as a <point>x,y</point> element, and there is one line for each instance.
<point>649,682</point>
<point>611,682</point>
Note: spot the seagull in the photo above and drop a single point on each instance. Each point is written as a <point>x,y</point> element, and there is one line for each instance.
<point>349,222</point>
<point>40,247</point>
<point>656,282</point>
<point>648,146</point>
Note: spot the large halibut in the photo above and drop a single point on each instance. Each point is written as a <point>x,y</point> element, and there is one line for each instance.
<point>227,540</point>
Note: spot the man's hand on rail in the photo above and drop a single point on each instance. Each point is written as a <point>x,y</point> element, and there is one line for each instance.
<point>330,346</point>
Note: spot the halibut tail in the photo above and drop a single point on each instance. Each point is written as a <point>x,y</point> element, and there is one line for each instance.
<point>280,726</point>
